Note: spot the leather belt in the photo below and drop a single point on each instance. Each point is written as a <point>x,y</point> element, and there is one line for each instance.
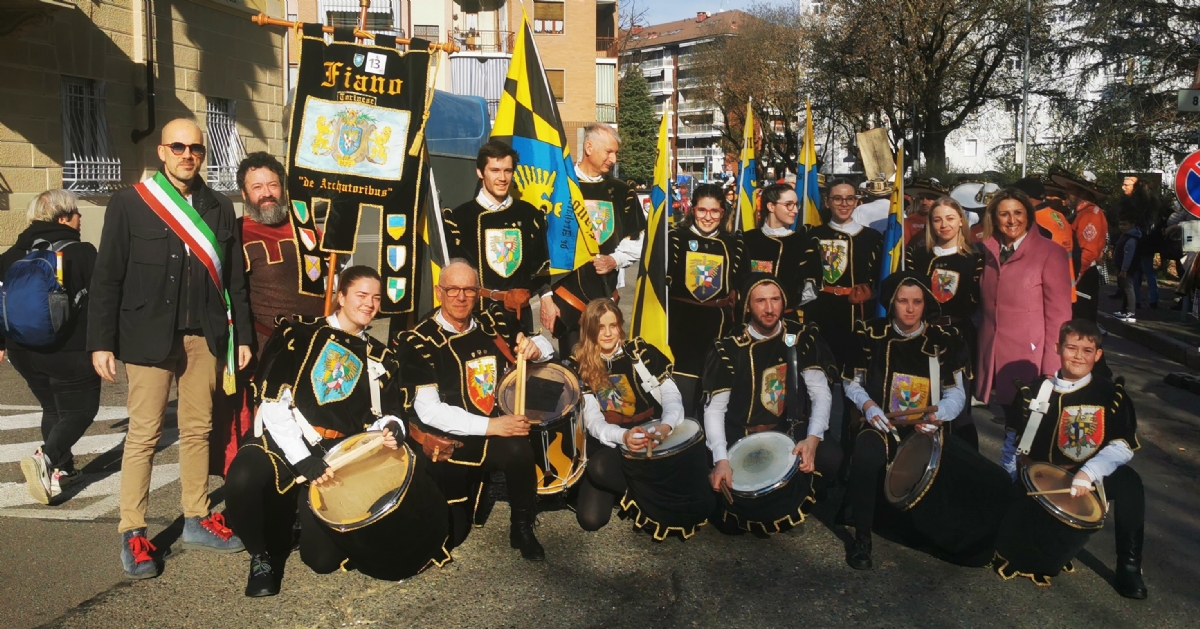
<point>948,320</point>
<point>761,428</point>
<point>836,290</point>
<point>618,419</point>
<point>328,433</point>
<point>514,300</point>
<point>570,298</point>
<point>436,447</point>
<point>725,302</point>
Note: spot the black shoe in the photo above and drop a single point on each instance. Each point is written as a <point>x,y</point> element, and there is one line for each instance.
<point>859,557</point>
<point>520,535</point>
<point>262,581</point>
<point>1128,582</point>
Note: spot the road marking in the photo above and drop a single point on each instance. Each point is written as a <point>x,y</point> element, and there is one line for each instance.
<point>91,485</point>
<point>10,407</point>
<point>34,420</point>
<point>95,444</point>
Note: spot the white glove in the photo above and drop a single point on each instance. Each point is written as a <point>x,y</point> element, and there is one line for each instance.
<point>927,428</point>
<point>1080,487</point>
<point>877,419</point>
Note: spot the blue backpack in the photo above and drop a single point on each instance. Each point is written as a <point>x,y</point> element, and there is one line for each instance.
<point>34,305</point>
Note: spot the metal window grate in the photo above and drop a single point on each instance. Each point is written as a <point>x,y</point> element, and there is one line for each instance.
<point>225,150</point>
<point>382,16</point>
<point>90,163</point>
<point>428,33</point>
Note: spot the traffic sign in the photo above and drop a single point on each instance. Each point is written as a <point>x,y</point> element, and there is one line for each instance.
<point>1189,100</point>
<point>1187,183</point>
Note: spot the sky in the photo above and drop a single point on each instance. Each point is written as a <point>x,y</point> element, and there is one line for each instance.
<point>659,11</point>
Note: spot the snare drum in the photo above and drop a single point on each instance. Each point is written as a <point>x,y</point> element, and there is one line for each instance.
<point>556,430</point>
<point>770,494</point>
<point>1040,535</point>
<point>668,490</point>
<point>383,509</point>
<point>953,495</point>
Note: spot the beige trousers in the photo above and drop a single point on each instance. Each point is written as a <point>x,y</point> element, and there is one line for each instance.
<point>195,370</point>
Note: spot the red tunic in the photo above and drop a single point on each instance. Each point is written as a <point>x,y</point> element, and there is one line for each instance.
<point>273,274</point>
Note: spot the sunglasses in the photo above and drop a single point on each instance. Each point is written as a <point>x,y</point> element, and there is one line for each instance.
<point>179,147</point>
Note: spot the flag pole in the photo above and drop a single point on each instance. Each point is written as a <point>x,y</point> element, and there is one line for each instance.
<point>804,158</point>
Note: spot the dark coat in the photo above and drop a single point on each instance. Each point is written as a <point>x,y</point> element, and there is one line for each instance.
<point>135,291</point>
<point>78,262</point>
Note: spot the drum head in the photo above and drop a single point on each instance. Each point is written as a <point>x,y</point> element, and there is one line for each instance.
<point>683,436</point>
<point>370,480</point>
<point>913,469</point>
<point>551,391</point>
<point>761,461</point>
<point>1083,510</point>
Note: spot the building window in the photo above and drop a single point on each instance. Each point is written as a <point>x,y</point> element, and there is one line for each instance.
<point>548,17</point>
<point>557,81</point>
<point>89,161</point>
<point>971,148</point>
<point>381,16</point>
<point>426,32</point>
<point>225,150</point>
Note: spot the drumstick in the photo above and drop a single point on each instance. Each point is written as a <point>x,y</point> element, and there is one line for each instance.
<point>519,402</point>
<point>364,448</point>
<point>725,492</point>
<point>1050,492</point>
<point>912,411</point>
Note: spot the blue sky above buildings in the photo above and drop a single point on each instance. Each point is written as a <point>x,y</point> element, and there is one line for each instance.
<point>659,11</point>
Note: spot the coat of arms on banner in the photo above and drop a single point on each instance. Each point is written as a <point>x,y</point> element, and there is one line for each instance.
<point>945,284</point>
<point>774,388</point>
<point>397,224</point>
<point>502,248</point>
<point>908,392</point>
<point>1081,431</point>
<point>762,266</point>
<point>308,237</point>
<point>335,373</point>
<point>603,219</point>
<point>301,210</point>
<point>396,287</point>
<point>704,274</point>
<point>312,267</point>
<point>481,383</point>
<point>397,255</point>
<point>353,139</point>
<point>618,397</point>
<point>835,255</point>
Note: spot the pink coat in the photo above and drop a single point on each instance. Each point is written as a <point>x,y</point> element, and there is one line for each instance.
<point>1025,302</point>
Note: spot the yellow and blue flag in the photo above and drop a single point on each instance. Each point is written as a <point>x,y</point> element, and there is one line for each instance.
<point>527,119</point>
<point>893,236</point>
<point>650,297</point>
<point>807,187</point>
<point>746,176</point>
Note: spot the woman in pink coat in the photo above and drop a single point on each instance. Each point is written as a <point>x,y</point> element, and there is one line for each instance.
<point>1026,298</point>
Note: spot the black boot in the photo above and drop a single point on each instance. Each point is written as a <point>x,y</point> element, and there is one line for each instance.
<point>262,581</point>
<point>520,535</point>
<point>859,556</point>
<point>1129,581</point>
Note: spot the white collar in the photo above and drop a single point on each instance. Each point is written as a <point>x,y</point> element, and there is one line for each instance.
<point>849,227</point>
<point>1017,242</point>
<point>712,234</point>
<point>758,337</point>
<point>615,355</point>
<point>450,328</point>
<point>1064,386</point>
<point>919,331</point>
<point>778,232</point>
<point>586,178</point>
<point>948,251</point>
<point>333,322</point>
<point>484,199</point>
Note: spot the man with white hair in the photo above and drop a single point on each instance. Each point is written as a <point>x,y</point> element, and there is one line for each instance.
<point>617,222</point>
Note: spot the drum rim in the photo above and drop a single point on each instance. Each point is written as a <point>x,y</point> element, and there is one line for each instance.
<point>928,477</point>
<point>762,491</point>
<point>346,528</point>
<point>511,374</point>
<point>1069,519</point>
<point>565,484</point>
<point>696,438</point>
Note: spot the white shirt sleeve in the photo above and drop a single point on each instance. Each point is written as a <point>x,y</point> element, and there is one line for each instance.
<point>672,403</point>
<point>593,419</point>
<point>822,400</point>
<point>382,423</point>
<point>952,403</point>
<point>714,425</point>
<point>1107,460</point>
<point>855,393</point>
<point>628,251</point>
<point>437,414</point>
<point>544,346</point>
<point>277,419</point>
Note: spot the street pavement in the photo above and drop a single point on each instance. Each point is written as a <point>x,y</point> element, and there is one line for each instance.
<point>61,567</point>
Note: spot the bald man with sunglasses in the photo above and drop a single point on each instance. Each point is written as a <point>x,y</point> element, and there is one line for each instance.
<point>168,299</point>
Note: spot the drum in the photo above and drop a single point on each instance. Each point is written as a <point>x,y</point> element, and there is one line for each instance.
<point>668,490</point>
<point>383,508</point>
<point>557,432</point>
<point>1040,535</point>
<point>951,494</point>
<point>770,494</point>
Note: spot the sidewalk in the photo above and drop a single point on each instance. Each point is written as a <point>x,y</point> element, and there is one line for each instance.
<point>1161,330</point>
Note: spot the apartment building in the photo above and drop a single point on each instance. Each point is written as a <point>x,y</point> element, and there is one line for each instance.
<point>665,53</point>
<point>79,110</point>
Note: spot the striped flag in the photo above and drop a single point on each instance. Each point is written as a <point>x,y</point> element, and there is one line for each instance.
<point>746,181</point>
<point>650,298</point>
<point>527,119</point>
<point>893,236</point>
<point>807,187</point>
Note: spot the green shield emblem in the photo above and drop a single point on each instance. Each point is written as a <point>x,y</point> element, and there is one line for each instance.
<point>502,248</point>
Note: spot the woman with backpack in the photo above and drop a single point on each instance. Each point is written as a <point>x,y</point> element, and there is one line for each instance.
<point>47,346</point>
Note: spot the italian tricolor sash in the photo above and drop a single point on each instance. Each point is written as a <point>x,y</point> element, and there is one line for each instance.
<point>182,218</point>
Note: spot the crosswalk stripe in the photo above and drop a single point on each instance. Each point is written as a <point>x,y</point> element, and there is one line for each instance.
<point>15,495</point>
<point>18,407</point>
<point>93,444</point>
<point>34,420</point>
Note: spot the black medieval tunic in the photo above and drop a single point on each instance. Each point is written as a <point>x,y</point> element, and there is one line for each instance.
<point>622,399</point>
<point>702,275</point>
<point>1080,423</point>
<point>846,261</point>
<point>954,281</point>
<point>786,258</point>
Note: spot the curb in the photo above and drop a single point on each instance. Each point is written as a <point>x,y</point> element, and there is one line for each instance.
<point>1173,349</point>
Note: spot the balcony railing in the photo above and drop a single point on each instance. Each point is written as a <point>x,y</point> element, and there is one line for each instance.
<point>660,87</point>
<point>606,113</point>
<point>699,130</point>
<point>656,64</point>
<point>483,41</point>
<point>606,47</point>
<point>690,81</point>
<point>690,107</point>
<point>698,154</point>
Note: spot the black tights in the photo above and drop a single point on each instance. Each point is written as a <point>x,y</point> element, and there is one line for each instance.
<point>868,460</point>
<point>257,512</point>
<point>514,457</point>
<point>1124,487</point>
<point>603,482</point>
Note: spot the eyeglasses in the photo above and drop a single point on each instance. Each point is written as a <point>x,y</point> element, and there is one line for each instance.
<point>789,205</point>
<point>178,148</point>
<point>459,291</point>
<point>843,200</point>
<point>708,211</point>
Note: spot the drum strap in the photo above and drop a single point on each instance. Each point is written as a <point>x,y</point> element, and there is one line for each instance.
<point>935,378</point>
<point>1038,407</point>
<point>791,400</point>
<point>375,370</point>
<point>650,384</point>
